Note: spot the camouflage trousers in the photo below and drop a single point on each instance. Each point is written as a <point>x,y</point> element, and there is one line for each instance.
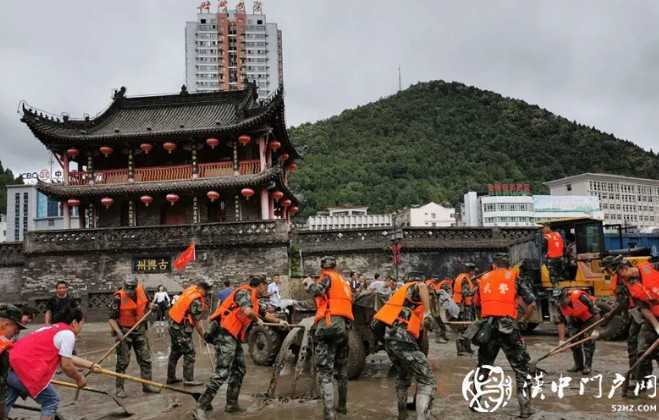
<point>514,349</point>
<point>632,346</point>
<point>646,338</point>
<point>139,343</point>
<point>229,369</point>
<point>411,363</point>
<point>441,328</point>
<point>182,345</point>
<point>462,344</point>
<point>583,353</point>
<point>555,267</point>
<point>331,357</point>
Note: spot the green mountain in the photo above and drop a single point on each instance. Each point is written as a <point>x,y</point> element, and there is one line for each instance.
<point>6,178</point>
<point>436,140</point>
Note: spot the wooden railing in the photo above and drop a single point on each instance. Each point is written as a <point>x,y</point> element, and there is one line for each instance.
<point>165,173</point>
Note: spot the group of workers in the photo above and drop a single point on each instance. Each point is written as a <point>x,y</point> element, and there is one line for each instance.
<point>491,300</point>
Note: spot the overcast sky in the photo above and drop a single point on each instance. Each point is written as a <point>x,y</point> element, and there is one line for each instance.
<point>596,62</point>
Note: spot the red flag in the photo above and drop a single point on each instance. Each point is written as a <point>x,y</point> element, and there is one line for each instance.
<point>185,257</point>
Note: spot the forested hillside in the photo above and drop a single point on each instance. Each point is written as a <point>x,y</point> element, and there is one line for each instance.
<point>436,140</point>
<point>6,178</point>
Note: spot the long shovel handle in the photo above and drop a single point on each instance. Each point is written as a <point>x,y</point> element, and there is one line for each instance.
<point>577,343</point>
<point>107,372</point>
<point>272,324</point>
<point>643,356</point>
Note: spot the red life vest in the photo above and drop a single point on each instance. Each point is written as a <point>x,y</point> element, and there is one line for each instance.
<point>555,245</point>
<point>650,281</point>
<point>390,312</point>
<point>577,309</point>
<point>5,344</point>
<point>338,299</point>
<point>232,318</point>
<point>457,289</point>
<point>498,292</point>
<point>34,358</point>
<point>130,311</point>
<point>179,310</point>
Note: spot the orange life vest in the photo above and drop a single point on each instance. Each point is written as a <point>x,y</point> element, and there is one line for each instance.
<point>650,281</point>
<point>5,344</point>
<point>130,311</point>
<point>390,312</point>
<point>457,289</point>
<point>555,245</point>
<point>498,292</point>
<point>338,299</point>
<point>179,311</point>
<point>439,285</point>
<point>577,309</point>
<point>232,318</point>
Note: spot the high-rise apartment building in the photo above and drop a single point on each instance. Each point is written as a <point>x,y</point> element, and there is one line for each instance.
<point>625,200</point>
<point>224,49</point>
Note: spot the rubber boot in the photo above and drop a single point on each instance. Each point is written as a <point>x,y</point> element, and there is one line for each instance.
<point>423,402</point>
<point>233,392</point>
<point>120,392</point>
<point>343,399</point>
<point>588,364</point>
<point>577,355</point>
<point>401,396</point>
<point>203,406</point>
<point>524,401</point>
<point>171,375</point>
<point>188,376</point>
<point>327,390</point>
<point>458,346</point>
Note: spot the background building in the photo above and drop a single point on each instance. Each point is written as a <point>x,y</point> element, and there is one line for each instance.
<point>431,214</point>
<point>347,218</point>
<point>624,200</point>
<point>225,48</point>
<point>508,206</point>
<point>29,210</point>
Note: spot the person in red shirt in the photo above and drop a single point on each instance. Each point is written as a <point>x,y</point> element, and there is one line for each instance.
<point>554,246</point>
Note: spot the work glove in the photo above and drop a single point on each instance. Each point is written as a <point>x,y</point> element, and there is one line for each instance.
<point>595,335</point>
<point>561,343</point>
<point>307,283</point>
<point>283,323</point>
<point>119,336</point>
<point>259,321</point>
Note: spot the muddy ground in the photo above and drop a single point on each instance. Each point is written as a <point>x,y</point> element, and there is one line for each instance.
<point>371,397</point>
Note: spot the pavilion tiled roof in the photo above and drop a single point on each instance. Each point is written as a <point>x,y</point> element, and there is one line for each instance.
<point>273,174</point>
<point>164,118</point>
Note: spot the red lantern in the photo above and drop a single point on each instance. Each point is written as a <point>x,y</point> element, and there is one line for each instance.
<point>293,210</point>
<point>247,192</point>
<point>107,202</point>
<point>172,198</point>
<point>213,195</point>
<point>73,202</point>
<point>146,147</point>
<point>73,153</point>
<point>277,195</point>
<point>244,139</point>
<point>213,142</point>
<point>292,167</point>
<point>286,203</point>
<point>284,157</point>
<point>170,147</point>
<point>146,200</point>
<point>275,145</point>
<point>106,150</point>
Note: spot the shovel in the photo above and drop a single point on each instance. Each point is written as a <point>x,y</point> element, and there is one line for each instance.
<point>95,391</point>
<point>638,362</point>
<point>107,372</point>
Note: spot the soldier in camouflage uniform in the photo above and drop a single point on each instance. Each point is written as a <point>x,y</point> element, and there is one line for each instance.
<point>127,308</point>
<point>227,332</point>
<point>497,294</point>
<point>184,317</point>
<point>330,334</point>
<point>405,314</point>
<point>10,324</point>
<point>439,288</point>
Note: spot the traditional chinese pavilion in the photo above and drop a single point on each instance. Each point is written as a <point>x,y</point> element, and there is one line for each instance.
<point>172,159</point>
